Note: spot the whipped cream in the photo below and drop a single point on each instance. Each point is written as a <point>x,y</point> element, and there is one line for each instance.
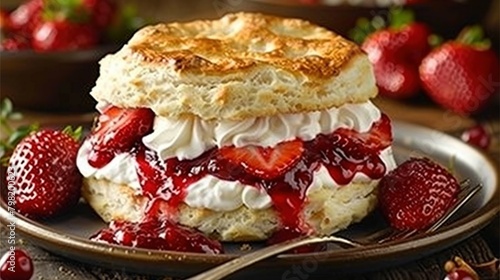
<point>220,195</point>
<point>120,170</point>
<point>190,137</point>
<point>211,192</point>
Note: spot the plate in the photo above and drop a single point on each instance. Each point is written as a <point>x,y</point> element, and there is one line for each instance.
<point>68,236</point>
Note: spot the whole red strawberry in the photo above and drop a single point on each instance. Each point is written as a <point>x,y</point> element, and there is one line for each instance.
<point>46,179</point>
<point>26,17</point>
<point>478,136</point>
<point>14,43</point>
<point>416,194</point>
<point>102,12</point>
<point>396,52</point>
<point>16,265</point>
<point>63,35</point>
<point>462,75</point>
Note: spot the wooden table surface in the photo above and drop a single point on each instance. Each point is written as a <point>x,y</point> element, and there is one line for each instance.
<point>481,248</point>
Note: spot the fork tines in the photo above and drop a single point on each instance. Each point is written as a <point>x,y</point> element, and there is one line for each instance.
<point>467,191</point>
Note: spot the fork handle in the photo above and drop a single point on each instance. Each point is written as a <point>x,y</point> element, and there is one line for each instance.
<point>238,263</point>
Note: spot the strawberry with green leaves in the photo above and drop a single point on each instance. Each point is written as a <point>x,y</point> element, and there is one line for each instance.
<point>66,26</point>
<point>395,50</point>
<point>462,75</point>
<point>42,167</point>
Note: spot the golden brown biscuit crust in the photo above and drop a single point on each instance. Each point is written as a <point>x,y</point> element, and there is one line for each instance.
<point>241,41</point>
<point>240,66</point>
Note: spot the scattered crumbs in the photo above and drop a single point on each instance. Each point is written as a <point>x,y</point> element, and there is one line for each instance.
<point>245,247</point>
<point>20,241</point>
<point>61,269</point>
<point>40,278</point>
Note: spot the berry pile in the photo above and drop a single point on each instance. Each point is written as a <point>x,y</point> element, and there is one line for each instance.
<point>61,25</point>
<point>460,75</point>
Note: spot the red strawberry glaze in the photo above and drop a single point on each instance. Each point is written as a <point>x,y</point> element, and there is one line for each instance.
<point>158,234</point>
<point>344,153</point>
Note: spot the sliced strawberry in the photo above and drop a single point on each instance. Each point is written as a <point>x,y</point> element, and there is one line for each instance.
<point>266,163</point>
<point>117,131</point>
<point>377,138</point>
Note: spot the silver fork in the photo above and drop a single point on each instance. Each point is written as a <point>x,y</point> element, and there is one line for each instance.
<point>223,270</point>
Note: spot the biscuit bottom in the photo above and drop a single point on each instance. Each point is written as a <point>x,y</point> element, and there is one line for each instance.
<point>327,210</point>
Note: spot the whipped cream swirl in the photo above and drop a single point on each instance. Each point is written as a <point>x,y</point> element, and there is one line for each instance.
<point>190,137</point>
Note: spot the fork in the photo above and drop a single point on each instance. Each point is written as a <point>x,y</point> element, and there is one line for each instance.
<point>385,235</point>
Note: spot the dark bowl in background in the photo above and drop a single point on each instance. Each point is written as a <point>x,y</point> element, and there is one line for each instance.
<point>445,17</point>
<point>53,81</point>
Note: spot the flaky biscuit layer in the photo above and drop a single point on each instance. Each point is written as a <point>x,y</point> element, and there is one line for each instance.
<point>240,66</point>
<point>327,210</point>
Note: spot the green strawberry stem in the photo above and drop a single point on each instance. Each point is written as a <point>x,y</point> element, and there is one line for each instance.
<point>397,17</point>
<point>125,23</point>
<point>74,133</point>
<point>435,40</point>
<point>71,10</point>
<point>473,36</point>
<point>10,136</point>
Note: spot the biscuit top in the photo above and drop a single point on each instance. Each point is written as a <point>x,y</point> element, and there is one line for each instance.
<point>242,65</point>
<point>241,41</point>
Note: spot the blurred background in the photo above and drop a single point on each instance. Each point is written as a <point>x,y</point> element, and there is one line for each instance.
<point>60,81</point>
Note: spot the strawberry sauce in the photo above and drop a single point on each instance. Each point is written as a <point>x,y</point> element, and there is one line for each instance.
<point>344,153</point>
<point>159,234</point>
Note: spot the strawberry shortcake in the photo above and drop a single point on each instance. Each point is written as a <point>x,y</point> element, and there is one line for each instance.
<point>241,127</point>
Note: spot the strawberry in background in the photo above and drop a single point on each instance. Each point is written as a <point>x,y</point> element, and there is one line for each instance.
<point>395,48</point>
<point>462,75</point>
<point>10,41</point>
<point>65,25</point>
<point>26,17</point>
<point>102,12</point>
